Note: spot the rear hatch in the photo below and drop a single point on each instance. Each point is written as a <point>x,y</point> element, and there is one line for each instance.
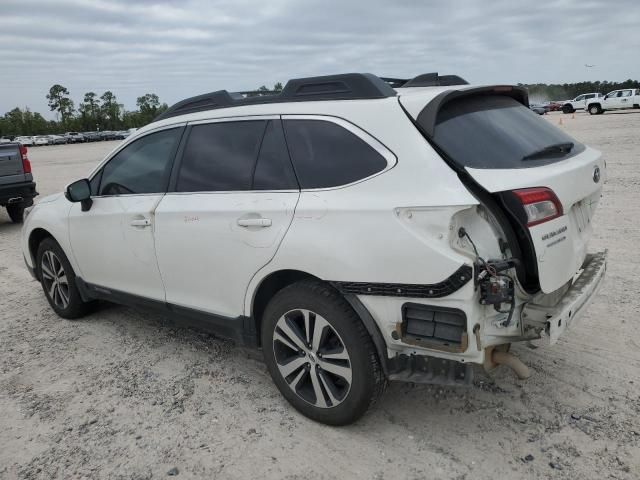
<point>11,169</point>
<point>546,183</point>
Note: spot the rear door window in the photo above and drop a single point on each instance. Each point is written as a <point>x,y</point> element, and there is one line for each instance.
<point>494,131</point>
<point>274,170</point>
<point>236,156</point>
<point>325,154</point>
<point>220,156</point>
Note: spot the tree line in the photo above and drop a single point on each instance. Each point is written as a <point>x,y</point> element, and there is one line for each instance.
<point>555,91</point>
<point>93,113</point>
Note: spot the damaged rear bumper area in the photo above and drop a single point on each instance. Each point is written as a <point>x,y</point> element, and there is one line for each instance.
<point>548,323</point>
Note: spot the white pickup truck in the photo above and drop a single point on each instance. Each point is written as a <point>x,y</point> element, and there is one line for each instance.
<point>616,100</point>
<point>570,106</point>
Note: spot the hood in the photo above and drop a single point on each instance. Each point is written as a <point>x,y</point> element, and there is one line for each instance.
<point>50,198</point>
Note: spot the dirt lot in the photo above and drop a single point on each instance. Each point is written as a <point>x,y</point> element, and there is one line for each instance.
<point>124,394</point>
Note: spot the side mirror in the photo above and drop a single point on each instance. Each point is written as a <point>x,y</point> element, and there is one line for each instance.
<point>80,191</point>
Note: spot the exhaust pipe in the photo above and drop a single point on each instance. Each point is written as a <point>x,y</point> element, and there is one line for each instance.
<point>510,360</point>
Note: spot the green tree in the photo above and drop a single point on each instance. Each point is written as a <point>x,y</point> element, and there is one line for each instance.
<point>277,87</point>
<point>60,102</point>
<point>90,113</point>
<point>110,110</point>
<point>148,106</point>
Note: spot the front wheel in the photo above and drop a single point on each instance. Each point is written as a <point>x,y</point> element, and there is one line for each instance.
<point>59,281</point>
<point>320,355</point>
<point>16,213</point>
<point>595,110</point>
<point>567,109</point>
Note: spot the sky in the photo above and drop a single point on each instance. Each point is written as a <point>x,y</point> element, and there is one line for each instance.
<point>181,48</point>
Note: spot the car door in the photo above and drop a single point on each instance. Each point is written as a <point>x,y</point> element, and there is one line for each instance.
<point>626,99</point>
<point>578,102</point>
<point>612,100</point>
<point>232,199</point>
<point>113,242</point>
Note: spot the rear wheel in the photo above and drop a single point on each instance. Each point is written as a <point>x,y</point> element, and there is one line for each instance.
<point>567,109</point>
<point>16,213</point>
<point>595,110</point>
<point>59,281</point>
<point>319,354</point>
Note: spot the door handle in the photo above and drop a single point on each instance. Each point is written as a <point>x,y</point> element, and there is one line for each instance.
<point>254,222</point>
<point>141,222</point>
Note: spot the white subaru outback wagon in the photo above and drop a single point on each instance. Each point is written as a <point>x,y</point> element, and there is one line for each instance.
<point>354,228</point>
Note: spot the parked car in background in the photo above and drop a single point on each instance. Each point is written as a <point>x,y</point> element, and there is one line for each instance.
<point>539,109</point>
<point>17,187</point>
<point>623,99</point>
<point>26,141</point>
<point>5,140</point>
<point>552,106</point>
<point>92,136</point>
<point>108,135</point>
<point>74,137</point>
<point>354,232</point>
<point>121,135</point>
<point>578,103</point>
<point>58,139</point>
<point>41,140</point>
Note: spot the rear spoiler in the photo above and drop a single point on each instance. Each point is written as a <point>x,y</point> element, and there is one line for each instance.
<point>429,114</point>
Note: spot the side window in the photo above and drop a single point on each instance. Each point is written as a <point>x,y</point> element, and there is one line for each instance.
<point>579,97</point>
<point>274,170</point>
<point>142,166</point>
<point>325,154</point>
<point>220,156</point>
<point>626,93</point>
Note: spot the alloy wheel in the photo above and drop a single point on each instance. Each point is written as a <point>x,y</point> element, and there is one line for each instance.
<point>312,358</point>
<point>55,279</point>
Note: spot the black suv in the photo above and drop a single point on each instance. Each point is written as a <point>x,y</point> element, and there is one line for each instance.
<point>17,188</point>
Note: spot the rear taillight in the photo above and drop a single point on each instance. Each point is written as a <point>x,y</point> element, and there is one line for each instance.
<point>26,164</point>
<point>539,203</point>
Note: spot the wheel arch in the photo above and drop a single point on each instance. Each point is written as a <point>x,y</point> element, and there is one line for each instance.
<point>268,287</point>
<point>279,279</point>
<point>36,236</point>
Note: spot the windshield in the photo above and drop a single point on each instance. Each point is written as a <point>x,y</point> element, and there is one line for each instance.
<point>494,131</point>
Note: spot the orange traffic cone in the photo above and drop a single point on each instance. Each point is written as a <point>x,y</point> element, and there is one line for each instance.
<point>573,116</point>
<point>560,121</point>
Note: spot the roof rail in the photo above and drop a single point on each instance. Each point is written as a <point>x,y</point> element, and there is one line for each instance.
<point>346,86</point>
<point>426,80</point>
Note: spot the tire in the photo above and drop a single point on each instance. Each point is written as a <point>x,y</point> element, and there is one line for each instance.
<point>336,391</point>
<point>16,213</point>
<point>52,265</point>
<point>567,109</point>
<point>595,110</point>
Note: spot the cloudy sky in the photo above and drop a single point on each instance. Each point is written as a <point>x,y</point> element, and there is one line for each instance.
<point>179,48</point>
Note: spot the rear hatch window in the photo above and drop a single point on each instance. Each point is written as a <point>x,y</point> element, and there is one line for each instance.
<point>498,132</point>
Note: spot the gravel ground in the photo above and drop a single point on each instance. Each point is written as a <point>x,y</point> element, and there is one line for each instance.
<point>126,394</point>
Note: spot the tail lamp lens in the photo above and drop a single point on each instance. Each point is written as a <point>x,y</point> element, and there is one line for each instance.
<point>26,164</point>
<point>540,204</point>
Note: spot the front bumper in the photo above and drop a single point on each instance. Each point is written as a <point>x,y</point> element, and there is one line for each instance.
<point>551,322</point>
